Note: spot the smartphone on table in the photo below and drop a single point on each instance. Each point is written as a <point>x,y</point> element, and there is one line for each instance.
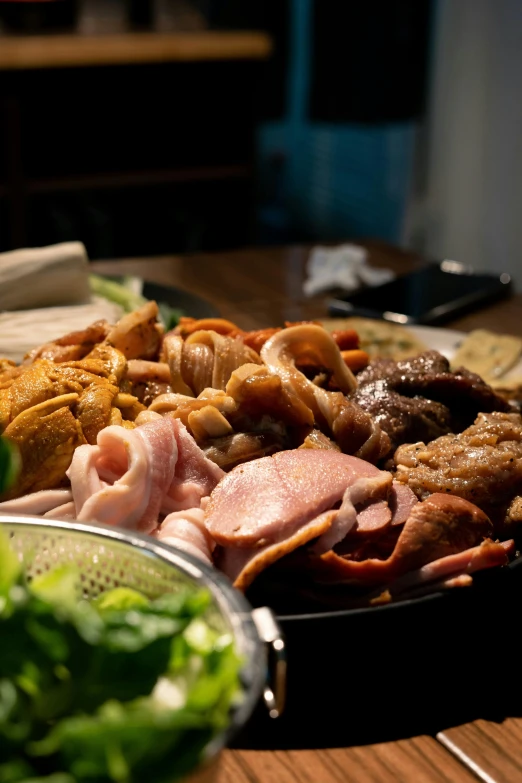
<point>432,294</point>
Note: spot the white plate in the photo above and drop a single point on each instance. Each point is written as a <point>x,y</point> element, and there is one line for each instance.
<point>446,341</point>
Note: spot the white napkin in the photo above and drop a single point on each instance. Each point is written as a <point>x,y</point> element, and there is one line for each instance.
<point>343,267</point>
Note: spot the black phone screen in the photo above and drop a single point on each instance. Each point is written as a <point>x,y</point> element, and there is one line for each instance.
<point>427,295</point>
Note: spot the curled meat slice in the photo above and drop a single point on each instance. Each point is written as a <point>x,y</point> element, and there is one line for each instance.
<point>444,570</point>
<point>441,525</point>
<point>129,477</point>
<point>186,530</point>
<point>243,565</point>
<point>267,508</point>
<point>311,342</point>
<point>181,406</point>
<point>228,353</point>
<point>258,392</point>
<point>195,476</point>
<point>353,429</point>
<point>142,463</point>
<point>172,351</point>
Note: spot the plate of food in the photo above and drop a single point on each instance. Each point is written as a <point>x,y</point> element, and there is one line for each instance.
<point>372,503</point>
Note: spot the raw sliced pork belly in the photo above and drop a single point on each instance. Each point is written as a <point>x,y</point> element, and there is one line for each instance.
<point>186,530</point>
<point>130,476</point>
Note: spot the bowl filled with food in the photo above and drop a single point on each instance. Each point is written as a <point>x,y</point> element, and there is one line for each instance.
<point>371,501</point>
<point>123,657</point>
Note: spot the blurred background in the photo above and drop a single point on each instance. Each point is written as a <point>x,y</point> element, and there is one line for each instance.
<point>146,127</point>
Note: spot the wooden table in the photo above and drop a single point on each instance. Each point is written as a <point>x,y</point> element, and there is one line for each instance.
<point>257,288</point>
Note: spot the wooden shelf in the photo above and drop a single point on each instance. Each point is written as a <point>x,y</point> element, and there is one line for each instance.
<point>137,178</point>
<point>75,50</point>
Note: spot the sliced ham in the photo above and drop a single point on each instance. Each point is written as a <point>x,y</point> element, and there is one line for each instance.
<point>242,565</point>
<point>440,526</point>
<point>368,492</point>
<point>267,500</point>
<point>402,500</point>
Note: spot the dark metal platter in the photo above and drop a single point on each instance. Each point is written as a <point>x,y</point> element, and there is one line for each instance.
<point>374,674</point>
<point>189,304</point>
<point>387,672</point>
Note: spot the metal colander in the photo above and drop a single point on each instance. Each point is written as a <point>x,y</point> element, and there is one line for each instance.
<point>110,557</point>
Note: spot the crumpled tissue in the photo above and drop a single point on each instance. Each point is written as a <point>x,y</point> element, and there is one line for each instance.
<point>344,266</point>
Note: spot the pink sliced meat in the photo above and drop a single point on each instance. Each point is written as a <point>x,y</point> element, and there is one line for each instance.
<point>131,476</point>
<point>146,460</point>
<point>440,526</point>
<point>37,503</point>
<point>195,476</point>
<point>67,511</point>
<point>368,493</point>
<point>375,516</point>
<point>186,530</point>
<point>84,476</point>
<point>402,500</point>
<point>269,499</point>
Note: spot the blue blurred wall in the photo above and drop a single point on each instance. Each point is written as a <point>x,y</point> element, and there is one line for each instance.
<point>326,181</point>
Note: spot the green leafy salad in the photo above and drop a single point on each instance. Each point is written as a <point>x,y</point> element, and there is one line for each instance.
<point>118,688</point>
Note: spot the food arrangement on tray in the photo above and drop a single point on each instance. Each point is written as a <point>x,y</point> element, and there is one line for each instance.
<point>310,473</point>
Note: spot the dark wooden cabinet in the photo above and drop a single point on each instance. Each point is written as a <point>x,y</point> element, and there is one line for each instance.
<point>132,158</point>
